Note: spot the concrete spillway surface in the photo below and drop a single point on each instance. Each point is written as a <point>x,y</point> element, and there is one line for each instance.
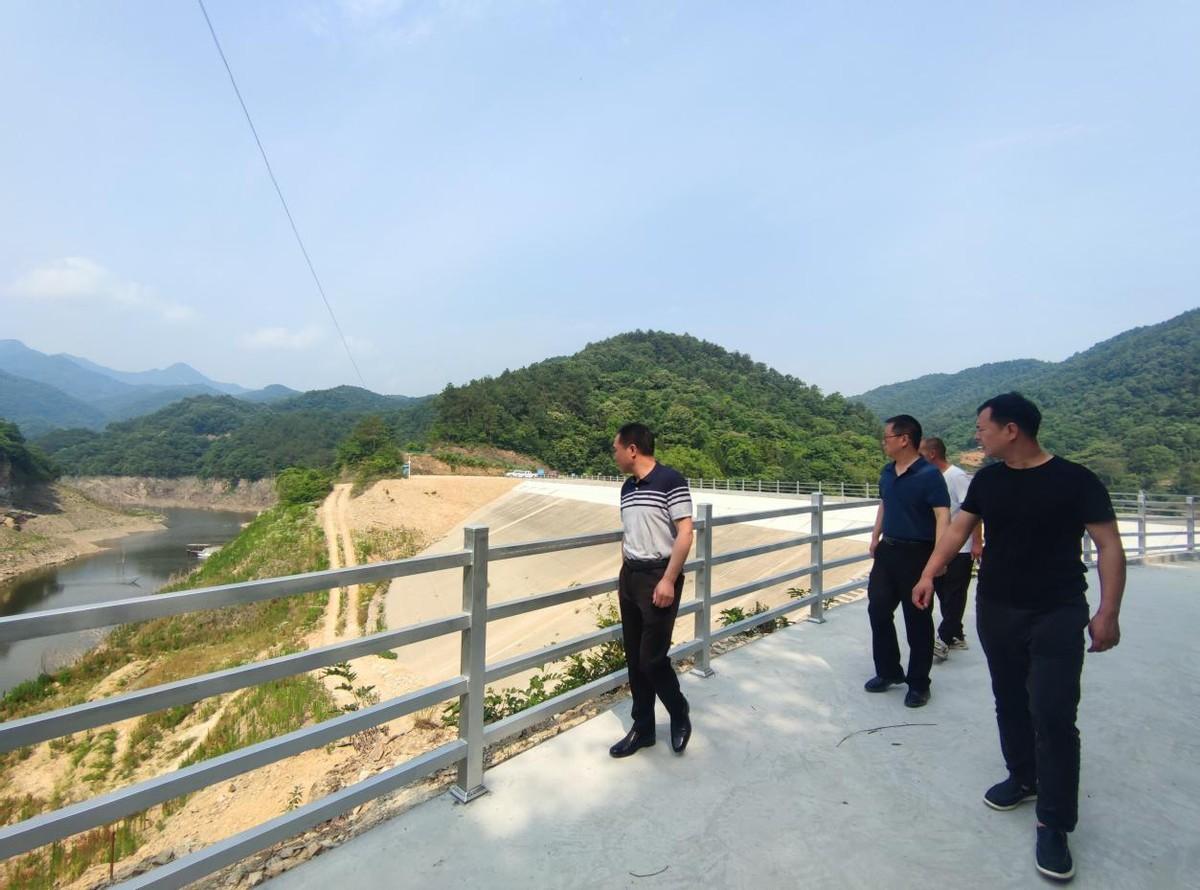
<point>540,510</point>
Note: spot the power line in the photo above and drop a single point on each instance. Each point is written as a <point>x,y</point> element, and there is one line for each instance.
<point>279,192</point>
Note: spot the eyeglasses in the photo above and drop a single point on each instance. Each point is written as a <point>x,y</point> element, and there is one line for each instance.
<point>896,436</point>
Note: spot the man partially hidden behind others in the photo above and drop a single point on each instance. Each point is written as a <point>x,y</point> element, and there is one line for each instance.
<point>656,513</point>
<point>1031,611</point>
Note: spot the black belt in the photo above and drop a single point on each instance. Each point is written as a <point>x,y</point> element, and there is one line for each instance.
<point>646,565</point>
<point>905,542</point>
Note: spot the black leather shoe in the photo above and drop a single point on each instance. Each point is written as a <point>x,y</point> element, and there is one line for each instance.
<point>916,699</point>
<point>681,732</point>
<point>879,684</point>
<point>630,744</point>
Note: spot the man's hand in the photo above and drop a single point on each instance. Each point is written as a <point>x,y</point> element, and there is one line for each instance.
<point>922,594</point>
<point>976,550</point>
<point>1105,631</point>
<point>874,544</point>
<point>664,593</point>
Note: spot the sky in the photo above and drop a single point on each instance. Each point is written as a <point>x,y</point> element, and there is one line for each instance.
<point>852,193</point>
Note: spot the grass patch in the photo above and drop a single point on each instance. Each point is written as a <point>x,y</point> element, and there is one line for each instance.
<point>381,545</point>
<point>64,861</point>
<point>147,734</point>
<point>270,710</point>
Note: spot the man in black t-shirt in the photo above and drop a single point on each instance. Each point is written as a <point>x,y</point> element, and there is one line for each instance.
<point>1031,610</point>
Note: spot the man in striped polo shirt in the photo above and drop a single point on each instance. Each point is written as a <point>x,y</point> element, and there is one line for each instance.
<point>656,513</point>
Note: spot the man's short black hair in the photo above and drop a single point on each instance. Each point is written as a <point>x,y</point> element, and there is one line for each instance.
<point>936,445</point>
<point>906,425</point>
<point>637,434</point>
<point>1012,407</point>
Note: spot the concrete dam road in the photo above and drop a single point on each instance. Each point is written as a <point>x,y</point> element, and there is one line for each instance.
<point>785,785</point>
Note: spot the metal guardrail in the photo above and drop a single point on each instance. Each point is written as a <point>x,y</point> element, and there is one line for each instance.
<point>762,486</point>
<point>1153,512</point>
<point>471,623</point>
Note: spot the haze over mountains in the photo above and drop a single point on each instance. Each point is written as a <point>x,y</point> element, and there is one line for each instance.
<point>41,392</point>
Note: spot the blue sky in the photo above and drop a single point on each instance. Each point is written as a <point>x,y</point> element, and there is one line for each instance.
<point>852,193</point>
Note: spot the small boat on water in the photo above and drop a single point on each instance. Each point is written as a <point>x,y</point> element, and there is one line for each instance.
<point>203,551</point>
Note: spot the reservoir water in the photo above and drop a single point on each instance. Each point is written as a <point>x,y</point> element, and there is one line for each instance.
<point>136,565</point>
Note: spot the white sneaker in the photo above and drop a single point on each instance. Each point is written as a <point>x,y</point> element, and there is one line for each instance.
<point>940,650</point>
<point>958,643</point>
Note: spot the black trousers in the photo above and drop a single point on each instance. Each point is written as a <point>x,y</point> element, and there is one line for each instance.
<point>896,571</point>
<point>951,591</point>
<point>1036,657</point>
<point>647,629</point>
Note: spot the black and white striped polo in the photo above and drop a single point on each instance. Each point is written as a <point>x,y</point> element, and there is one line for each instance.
<point>650,507</point>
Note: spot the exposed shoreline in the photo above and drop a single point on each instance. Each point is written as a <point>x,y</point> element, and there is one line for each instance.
<point>80,516</point>
<point>67,525</point>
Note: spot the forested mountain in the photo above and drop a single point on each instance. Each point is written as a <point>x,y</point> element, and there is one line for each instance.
<point>717,413</point>
<point>1129,407</point>
<point>222,437</point>
<point>929,396</point>
<point>20,463</point>
<point>39,407</point>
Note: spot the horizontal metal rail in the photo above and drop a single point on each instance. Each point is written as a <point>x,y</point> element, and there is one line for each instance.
<point>761,584</point>
<point>203,862</point>
<point>512,608</point>
<point>143,608</point>
<point>847,532</point>
<point>553,545</point>
<point>18,733</point>
<point>519,722</point>
<point>88,814</point>
<point>761,515</point>
<point>851,505</point>
<point>735,555</point>
<point>516,664</point>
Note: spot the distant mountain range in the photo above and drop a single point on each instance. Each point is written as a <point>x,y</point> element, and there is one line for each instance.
<point>41,392</point>
<point>1128,407</point>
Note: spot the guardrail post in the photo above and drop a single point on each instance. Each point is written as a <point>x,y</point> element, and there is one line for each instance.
<point>816,553</point>
<point>473,664</point>
<point>1141,524</point>
<point>703,631</point>
<point>1191,522</point>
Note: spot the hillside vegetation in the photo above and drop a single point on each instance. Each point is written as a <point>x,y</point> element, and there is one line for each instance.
<point>717,413</point>
<point>1129,407</point>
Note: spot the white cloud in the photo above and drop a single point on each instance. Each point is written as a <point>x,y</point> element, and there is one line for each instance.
<point>79,279</point>
<point>283,338</point>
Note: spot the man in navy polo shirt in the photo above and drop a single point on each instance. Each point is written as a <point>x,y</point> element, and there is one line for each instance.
<point>914,512</point>
<point>656,515</point>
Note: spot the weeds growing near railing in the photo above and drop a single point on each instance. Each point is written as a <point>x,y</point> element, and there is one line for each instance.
<point>577,670</point>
